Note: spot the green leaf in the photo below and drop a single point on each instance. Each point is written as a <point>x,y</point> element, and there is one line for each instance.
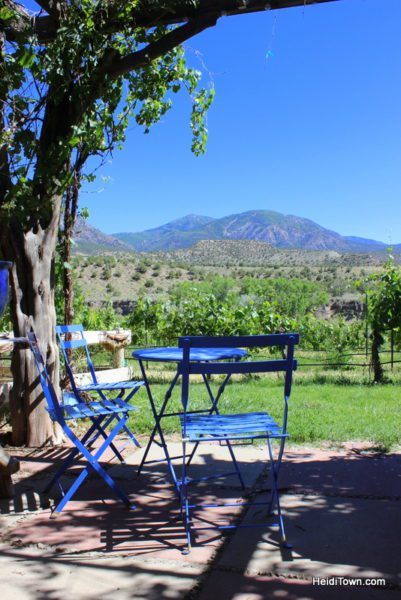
<point>74,141</point>
<point>6,14</point>
<point>27,59</point>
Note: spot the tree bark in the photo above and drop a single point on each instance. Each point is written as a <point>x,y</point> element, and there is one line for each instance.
<point>377,341</point>
<point>32,303</point>
<point>70,214</point>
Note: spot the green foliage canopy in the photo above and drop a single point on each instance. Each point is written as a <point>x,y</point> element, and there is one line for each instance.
<point>76,94</point>
<point>384,298</point>
<point>197,310</point>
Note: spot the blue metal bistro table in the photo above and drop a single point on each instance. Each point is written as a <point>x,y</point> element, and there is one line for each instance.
<point>175,355</point>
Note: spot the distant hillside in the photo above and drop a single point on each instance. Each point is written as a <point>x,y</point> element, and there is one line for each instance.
<point>89,240</point>
<point>276,229</point>
<point>219,253</point>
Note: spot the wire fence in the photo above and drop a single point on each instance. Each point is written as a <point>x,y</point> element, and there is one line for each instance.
<point>318,359</point>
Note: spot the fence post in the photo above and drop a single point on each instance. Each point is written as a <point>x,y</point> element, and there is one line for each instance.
<point>366,327</point>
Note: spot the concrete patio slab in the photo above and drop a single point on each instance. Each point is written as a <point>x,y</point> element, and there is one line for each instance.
<point>342,513</point>
<point>94,521</point>
<point>228,585</point>
<point>209,458</point>
<point>89,525</point>
<point>35,575</point>
<point>355,470</point>
<point>341,537</point>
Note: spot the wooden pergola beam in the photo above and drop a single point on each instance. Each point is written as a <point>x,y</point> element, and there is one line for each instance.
<point>220,7</point>
<point>149,14</point>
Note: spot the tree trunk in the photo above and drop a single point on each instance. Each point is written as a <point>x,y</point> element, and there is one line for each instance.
<point>377,341</point>
<point>70,214</point>
<point>32,303</point>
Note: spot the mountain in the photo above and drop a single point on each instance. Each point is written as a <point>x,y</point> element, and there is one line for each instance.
<point>357,244</point>
<point>180,233</point>
<point>276,229</point>
<point>90,240</point>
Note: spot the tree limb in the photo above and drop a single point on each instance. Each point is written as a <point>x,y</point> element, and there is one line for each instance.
<point>54,8</point>
<point>148,14</point>
<point>142,58</point>
<point>18,8</point>
<point>4,162</point>
<point>44,27</point>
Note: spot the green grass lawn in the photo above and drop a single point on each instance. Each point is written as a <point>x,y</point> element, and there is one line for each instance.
<point>318,412</point>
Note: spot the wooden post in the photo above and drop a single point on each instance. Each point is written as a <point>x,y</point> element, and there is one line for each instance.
<point>115,343</point>
<point>8,466</point>
<point>118,358</point>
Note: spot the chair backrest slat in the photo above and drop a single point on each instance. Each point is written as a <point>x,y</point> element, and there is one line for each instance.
<point>289,371</point>
<point>68,344</point>
<point>47,386</point>
<point>241,341</point>
<point>285,341</point>
<point>62,332</point>
<point>69,328</point>
<point>220,368</point>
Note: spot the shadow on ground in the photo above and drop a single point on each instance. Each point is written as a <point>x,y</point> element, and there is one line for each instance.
<point>342,513</point>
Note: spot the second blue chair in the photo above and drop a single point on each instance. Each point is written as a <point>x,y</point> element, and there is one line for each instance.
<point>125,389</point>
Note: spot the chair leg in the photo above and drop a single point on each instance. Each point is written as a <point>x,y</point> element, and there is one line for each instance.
<point>184,500</point>
<point>131,436</point>
<point>126,428</point>
<point>275,499</point>
<point>187,529</point>
<point>111,419</point>
<point>145,454</point>
<point>277,465</point>
<point>231,451</point>
<point>233,458</point>
<point>69,460</point>
<point>102,431</point>
<point>158,428</point>
<point>93,462</point>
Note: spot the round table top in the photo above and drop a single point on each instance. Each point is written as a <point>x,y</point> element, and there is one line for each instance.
<point>174,354</point>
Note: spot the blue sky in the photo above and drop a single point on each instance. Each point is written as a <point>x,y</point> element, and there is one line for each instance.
<point>306,121</point>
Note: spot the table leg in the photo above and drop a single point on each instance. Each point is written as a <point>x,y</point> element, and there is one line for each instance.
<point>157,428</point>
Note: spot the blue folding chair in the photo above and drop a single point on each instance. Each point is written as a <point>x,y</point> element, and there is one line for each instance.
<point>235,427</point>
<point>77,409</point>
<point>122,387</point>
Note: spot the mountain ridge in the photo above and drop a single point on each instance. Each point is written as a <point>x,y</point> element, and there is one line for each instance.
<point>90,240</point>
<point>274,228</point>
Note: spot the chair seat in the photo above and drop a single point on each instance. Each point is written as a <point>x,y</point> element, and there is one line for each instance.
<point>118,385</point>
<point>238,426</point>
<point>82,410</point>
